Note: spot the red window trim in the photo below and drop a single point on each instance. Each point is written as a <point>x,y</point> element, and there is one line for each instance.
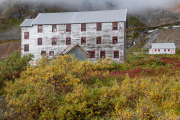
<point>164,50</point>
<point>52,41</point>
<point>37,41</point>
<point>114,54</point>
<point>24,47</point>
<point>51,51</point>
<point>81,27</point>
<point>66,27</point>
<point>155,50</point>
<point>98,37</point>
<point>96,26</point>
<point>66,40</point>
<point>56,27</point>
<point>90,54</point>
<point>117,40</point>
<point>168,50</point>
<point>113,24</point>
<point>158,50</point>
<point>103,51</point>
<point>81,40</point>
<point>43,51</point>
<point>24,35</point>
<point>38,28</point>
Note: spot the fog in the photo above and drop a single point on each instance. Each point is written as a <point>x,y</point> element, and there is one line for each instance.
<point>83,5</point>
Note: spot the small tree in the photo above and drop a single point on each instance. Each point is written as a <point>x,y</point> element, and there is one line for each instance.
<point>13,65</point>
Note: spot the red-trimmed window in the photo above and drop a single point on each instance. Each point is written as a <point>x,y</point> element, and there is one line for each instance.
<point>54,28</point>
<point>155,50</point>
<point>40,28</point>
<point>54,41</point>
<point>26,48</point>
<point>115,26</point>
<point>26,35</point>
<point>115,40</point>
<point>158,50</point>
<point>83,27</point>
<point>91,54</point>
<point>164,50</point>
<point>116,54</point>
<point>68,41</point>
<point>68,28</point>
<point>39,42</point>
<point>168,50</point>
<point>98,40</point>
<point>83,40</point>
<point>43,52</point>
<point>99,26</point>
<point>102,54</point>
<point>51,53</point>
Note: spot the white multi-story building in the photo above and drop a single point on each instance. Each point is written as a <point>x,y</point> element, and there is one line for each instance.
<point>162,48</point>
<point>100,33</point>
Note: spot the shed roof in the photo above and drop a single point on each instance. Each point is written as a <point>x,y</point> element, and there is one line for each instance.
<point>163,45</point>
<point>71,47</point>
<point>27,22</point>
<point>81,17</point>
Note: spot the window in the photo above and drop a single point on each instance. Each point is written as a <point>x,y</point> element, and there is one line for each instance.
<point>164,50</point>
<point>40,28</point>
<point>54,28</point>
<point>115,40</point>
<point>91,54</point>
<point>83,27</point>
<point>39,41</point>
<point>98,40</point>
<point>68,41</point>
<point>99,26</point>
<point>51,53</point>
<point>26,48</point>
<point>158,50</point>
<point>155,50</point>
<point>168,50</point>
<point>116,54</point>
<point>43,52</point>
<point>115,26</point>
<point>26,35</point>
<point>54,41</point>
<point>102,54</point>
<point>83,41</point>
<point>68,28</point>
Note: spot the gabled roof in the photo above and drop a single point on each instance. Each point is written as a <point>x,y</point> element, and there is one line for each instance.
<point>71,47</point>
<point>27,23</point>
<point>163,45</point>
<point>81,17</point>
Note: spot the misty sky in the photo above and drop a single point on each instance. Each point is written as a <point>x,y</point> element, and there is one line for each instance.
<point>80,5</point>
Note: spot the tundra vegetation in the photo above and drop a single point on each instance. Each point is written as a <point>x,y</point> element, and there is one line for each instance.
<point>143,87</point>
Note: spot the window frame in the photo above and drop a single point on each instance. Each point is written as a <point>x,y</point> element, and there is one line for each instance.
<point>52,41</point>
<point>38,41</point>
<point>97,38</point>
<point>168,50</point>
<point>24,47</point>
<point>67,29</point>
<point>113,40</point>
<point>164,50</point>
<point>50,52</point>
<point>25,35</point>
<point>104,54</point>
<point>81,27</point>
<point>158,50</point>
<point>42,52</point>
<point>113,26</point>
<point>97,26</point>
<point>155,50</point>
<point>90,54</point>
<point>114,54</point>
<point>56,28</point>
<point>81,40</point>
<point>38,28</point>
<point>66,40</point>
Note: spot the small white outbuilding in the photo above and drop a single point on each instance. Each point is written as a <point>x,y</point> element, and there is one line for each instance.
<point>162,48</point>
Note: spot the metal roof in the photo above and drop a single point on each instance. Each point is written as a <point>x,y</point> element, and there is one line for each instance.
<point>27,22</point>
<point>70,47</point>
<point>81,17</point>
<point>162,45</point>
